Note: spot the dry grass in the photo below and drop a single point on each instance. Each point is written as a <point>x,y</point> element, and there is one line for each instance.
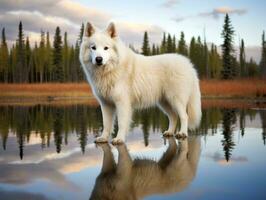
<point>234,88</point>
<point>45,90</point>
<point>251,88</point>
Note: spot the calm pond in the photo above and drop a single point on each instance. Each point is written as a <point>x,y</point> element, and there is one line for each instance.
<point>47,152</point>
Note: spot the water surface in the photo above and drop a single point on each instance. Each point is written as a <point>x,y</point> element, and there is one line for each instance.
<point>47,152</point>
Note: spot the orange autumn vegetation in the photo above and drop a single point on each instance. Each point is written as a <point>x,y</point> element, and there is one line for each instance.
<point>210,88</point>
<point>45,90</point>
<point>234,88</point>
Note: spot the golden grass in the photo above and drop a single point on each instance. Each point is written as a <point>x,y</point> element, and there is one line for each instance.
<point>45,90</point>
<point>251,88</point>
<point>234,88</point>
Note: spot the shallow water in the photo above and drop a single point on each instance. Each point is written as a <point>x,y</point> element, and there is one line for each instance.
<point>47,152</point>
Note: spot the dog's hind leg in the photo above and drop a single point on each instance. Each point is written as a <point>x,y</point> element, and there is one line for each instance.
<point>172,116</point>
<point>181,110</point>
<point>108,119</point>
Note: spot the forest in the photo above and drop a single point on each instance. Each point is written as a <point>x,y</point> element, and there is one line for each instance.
<point>58,61</point>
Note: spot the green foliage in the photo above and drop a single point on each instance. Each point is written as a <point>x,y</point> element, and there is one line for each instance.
<point>145,45</point>
<point>57,56</point>
<point>60,62</point>
<point>229,70</point>
<point>215,62</point>
<point>263,56</point>
<point>4,64</point>
<point>182,47</point>
<point>242,60</point>
<point>20,71</point>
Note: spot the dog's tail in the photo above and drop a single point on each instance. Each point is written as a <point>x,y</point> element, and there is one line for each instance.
<point>194,106</point>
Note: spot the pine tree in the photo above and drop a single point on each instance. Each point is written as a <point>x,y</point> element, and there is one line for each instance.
<point>215,64</point>
<point>145,45</point>
<point>153,51</point>
<point>252,68</point>
<point>182,47</point>
<point>205,59</point>
<point>242,59</point>
<point>173,44</point>
<point>48,58</point>
<point>163,45</point>
<point>20,72</point>
<point>77,65</point>
<point>263,56</point>
<point>229,70</point>
<point>169,44</point>
<point>66,58</point>
<point>81,33</point>
<point>57,56</point>
<point>4,65</point>
<point>27,56</point>
<point>192,50</point>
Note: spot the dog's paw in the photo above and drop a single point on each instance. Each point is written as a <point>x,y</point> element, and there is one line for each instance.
<point>101,140</point>
<point>117,141</point>
<point>181,136</point>
<point>167,134</point>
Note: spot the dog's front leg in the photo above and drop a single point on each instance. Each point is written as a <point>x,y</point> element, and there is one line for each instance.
<point>108,118</point>
<point>124,111</point>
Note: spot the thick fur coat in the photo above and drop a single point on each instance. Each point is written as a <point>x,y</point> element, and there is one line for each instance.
<point>122,80</point>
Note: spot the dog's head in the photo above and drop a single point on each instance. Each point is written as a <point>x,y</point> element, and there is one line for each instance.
<point>99,47</point>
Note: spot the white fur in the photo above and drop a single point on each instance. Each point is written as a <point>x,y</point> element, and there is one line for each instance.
<point>128,80</point>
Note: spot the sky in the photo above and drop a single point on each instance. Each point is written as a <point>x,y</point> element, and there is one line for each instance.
<point>133,17</point>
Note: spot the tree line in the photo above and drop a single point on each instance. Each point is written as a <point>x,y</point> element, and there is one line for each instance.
<point>59,61</point>
<point>206,59</point>
<point>44,62</point>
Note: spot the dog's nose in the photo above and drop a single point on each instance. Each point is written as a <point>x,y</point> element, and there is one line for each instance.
<point>99,60</point>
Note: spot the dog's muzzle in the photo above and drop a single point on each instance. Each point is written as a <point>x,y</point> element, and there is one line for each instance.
<point>99,60</point>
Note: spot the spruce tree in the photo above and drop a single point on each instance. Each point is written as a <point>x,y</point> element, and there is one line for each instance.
<point>169,47</point>
<point>66,58</point>
<point>242,59</point>
<point>57,56</point>
<point>78,67</point>
<point>4,64</point>
<point>27,57</point>
<point>192,50</point>
<point>263,56</point>
<point>153,51</point>
<point>48,58</point>
<point>229,70</point>
<point>182,47</point>
<point>20,72</point>
<point>215,64</point>
<point>252,68</point>
<point>145,45</point>
<point>173,44</point>
<point>163,45</point>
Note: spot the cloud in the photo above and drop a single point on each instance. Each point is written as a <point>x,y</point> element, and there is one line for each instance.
<point>217,157</point>
<point>169,3</point>
<point>68,15</point>
<point>215,13</point>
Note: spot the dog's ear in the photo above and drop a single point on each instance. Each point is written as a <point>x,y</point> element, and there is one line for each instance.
<point>111,30</point>
<point>89,30</point>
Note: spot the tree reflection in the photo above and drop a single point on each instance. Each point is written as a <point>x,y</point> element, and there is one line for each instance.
<point>229,119</point>
<point>59,122</point>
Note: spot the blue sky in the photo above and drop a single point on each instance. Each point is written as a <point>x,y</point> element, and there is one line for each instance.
<point>248,25</point>
<point>134,17</point>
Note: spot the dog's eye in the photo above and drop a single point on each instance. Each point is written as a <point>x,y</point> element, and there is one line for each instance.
<point>106,48</point>
<point>93,47</point>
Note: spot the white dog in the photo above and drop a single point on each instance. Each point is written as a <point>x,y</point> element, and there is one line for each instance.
<point>122,80</point>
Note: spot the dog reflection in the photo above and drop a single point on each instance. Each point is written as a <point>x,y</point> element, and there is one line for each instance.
<point>135,179</point>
